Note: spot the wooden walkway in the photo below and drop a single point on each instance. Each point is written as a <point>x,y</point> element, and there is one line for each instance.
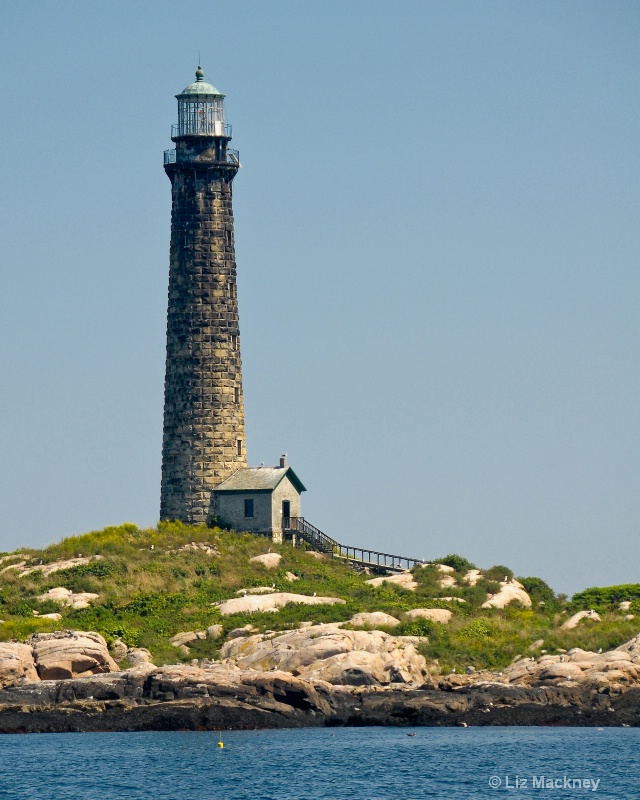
<point>356,556</point>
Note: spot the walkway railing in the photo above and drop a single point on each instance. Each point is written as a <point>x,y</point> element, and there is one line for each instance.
<point>233,156</point>
<point>353,555</point>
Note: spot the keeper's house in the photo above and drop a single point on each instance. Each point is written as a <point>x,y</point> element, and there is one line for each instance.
<point>258,499</point>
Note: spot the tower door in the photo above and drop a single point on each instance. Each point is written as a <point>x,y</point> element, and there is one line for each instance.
<point>286,513</point>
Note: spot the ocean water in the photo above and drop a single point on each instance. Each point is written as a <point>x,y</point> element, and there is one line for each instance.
<point>341,763</point>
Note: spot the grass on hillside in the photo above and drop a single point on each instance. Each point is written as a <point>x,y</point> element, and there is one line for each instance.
<point>149,590</point>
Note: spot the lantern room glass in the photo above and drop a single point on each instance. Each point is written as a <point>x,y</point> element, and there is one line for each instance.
<point>203,116</point>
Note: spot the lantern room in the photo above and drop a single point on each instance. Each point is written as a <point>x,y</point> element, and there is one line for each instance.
<point>200,110</point>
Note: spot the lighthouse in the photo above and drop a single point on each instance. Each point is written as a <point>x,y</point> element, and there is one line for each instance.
<point>203,437</point>
<point>205,478</point>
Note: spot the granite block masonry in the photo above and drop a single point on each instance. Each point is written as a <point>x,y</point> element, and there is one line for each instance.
<point>204,438</point>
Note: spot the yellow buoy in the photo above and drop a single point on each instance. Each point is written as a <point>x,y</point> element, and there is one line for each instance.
<point>220,742</point>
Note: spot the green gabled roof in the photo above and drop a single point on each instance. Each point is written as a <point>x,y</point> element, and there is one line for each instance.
<point>259,479</point>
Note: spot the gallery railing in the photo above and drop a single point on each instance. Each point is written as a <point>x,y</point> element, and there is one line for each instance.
<point>233,156</point>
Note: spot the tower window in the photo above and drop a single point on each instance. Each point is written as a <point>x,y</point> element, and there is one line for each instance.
<point>234,341</point>
<point>248,508</point>
<point>239,447</point>
<point>236,395</point>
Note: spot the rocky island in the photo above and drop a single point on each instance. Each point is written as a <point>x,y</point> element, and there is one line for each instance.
<point>163,629</point>
<point>319,675</point>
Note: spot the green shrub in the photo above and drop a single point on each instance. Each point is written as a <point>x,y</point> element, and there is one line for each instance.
<point>488,586</point>
<point>476,595</point>
<point>130,636</point>
<point>70,579</point>
<point>476,629</point>
<point>19,629</point>
<point>203,648</point>
<point>541,593</point>
<point>23,608</point>
<point>179,572</point>
<point>498,573</point>
<point>428,580</point>
<point>605,597</point>
<point>46,607</point>
<point>110,539</point>
<point>152,604</point>
<point>458,563</point>
<point>416,627</point>
<point>590,635</point>
<point>99,569</point>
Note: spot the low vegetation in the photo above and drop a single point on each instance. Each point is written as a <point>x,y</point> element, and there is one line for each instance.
<point>154,583</point>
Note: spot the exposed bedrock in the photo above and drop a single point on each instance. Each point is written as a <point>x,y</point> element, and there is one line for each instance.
<point>316,675</point>
<point>276,701</point>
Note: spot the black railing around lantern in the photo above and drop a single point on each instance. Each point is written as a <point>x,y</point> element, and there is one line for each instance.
<point>233,157</point>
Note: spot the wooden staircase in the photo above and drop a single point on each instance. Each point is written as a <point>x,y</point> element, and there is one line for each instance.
<point>354,556</point>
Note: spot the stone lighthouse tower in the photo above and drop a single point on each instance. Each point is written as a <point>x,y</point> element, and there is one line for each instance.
<point>204,439</point>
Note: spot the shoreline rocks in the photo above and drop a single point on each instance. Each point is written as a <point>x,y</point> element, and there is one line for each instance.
<point>16,664</point>
<point>319,675</point>
<point>190,698</point>
<point>330,654</point>
<point>54,656</point>
<point>69,654</point>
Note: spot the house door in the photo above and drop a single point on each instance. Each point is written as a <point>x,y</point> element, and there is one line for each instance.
<point>286,513</point>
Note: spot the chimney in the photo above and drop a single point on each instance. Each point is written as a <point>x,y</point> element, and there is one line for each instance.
<point>283,461</point>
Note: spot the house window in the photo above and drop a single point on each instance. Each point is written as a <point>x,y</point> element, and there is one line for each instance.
<point>248,508</point>
<point>239,447</point>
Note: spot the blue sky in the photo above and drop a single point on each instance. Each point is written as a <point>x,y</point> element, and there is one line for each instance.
<point>437,247</point>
